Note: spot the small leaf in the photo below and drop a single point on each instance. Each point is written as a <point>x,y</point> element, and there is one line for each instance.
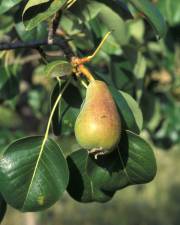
<point>37,11</point>
<point>152,14</point>
<point>135,109</point>
<point>58,68</point>
<point>130,112</point>
<point>31,179</point>
<point>133,162</point>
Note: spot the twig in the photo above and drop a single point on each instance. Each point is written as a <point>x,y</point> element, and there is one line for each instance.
<point>62,43</point>
<point>42,54</point>
<point>53,26</point>
<point>33,44</point>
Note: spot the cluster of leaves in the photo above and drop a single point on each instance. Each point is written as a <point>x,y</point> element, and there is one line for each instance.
<point>33,173</point>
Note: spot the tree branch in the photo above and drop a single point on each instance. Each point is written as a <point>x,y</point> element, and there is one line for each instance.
<point>62,43</point>
<point>54,25</point>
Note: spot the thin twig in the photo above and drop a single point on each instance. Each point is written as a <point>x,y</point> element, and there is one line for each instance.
<point>42,54</point>
<point>33,44</point>
<point>62,43</point>
<point>53,26</point>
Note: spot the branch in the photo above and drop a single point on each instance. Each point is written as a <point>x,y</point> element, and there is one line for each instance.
<point>53,26</point>
<point>62,43</point>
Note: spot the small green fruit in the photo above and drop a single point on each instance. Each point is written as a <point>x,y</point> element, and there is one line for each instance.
<point>98,125</point>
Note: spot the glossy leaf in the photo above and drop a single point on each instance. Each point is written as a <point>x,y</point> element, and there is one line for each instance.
<point>130,112</point>
<point>96,180</point>
<point>31,180</point>
<point>58,68</point>
<point>80,185</point>
<point>152,14</point>
<point>35,12</point>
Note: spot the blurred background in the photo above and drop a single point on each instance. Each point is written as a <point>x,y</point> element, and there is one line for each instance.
<point>157,203</point>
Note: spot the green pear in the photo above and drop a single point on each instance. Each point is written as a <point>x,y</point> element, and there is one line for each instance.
<point>98,125</point>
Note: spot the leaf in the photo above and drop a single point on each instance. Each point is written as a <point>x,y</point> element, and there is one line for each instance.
<point>139,71</point>
<point>58,68</point>
<point>135,109</point>
<point>121,74</point>
<point>67,111</point>
<point>31,180</point>
<point>119,7</point>
<point>152,14</point>
<point>37,11</point>
<point>80,186</point>
<point>7,5</point>
<point>96,180</point>
<point>170,9</point>
<point>86,10</point>
<point>9,84</point>
<point>114,22</point>
<point>130,112</point>
<point>32,3</point>
<point>38,33</point>
<point>3,207</point>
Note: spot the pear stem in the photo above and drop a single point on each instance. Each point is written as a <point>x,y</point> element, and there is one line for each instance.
<point>86,72</point>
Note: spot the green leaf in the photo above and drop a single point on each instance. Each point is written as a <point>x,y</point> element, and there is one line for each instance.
<point>3,207</point>
<point>119,7</point>
<point>37,11</point>
<point>86,10</point>
<point>170,9</point>
<point>32,3</point>
<point>38,33</point>
<point>152,14</point>
<point>114,22</point>
<point>96,180</point>
<point>7,5</point>
<point>121,74</point>
<point>67,111</point>
<point>58,68</point>
<point>130,112</point>
<point>31,180</point>
<point>139,71</point>
<point>135,109</point>
<point>9,84</point>
<point>80,185</point>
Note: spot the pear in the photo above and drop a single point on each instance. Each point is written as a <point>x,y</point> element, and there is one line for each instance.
<point>98,125</point>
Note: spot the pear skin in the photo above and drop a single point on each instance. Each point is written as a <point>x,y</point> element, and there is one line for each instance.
<point>98,125</point>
